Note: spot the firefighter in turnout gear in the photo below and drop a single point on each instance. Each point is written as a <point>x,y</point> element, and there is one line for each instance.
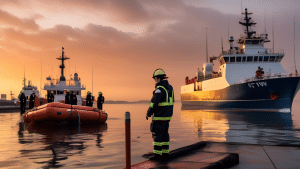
<point>161,110</point>
<point>22,100</point>
<point>73,99</point>
<point>100,101</point>
<point>67,97</point>
<point>50,97</point>
<point>89,99</point>
<point>31,100</point>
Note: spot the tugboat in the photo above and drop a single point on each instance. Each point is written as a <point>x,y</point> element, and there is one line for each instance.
<point>59,86</point>
<point>250,77</point>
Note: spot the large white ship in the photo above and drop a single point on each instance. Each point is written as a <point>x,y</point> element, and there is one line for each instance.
<point>59,86</point>
<point>250,76</point>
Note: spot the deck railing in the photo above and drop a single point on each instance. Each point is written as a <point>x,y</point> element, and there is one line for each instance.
<point>268,76</point>
<point>242,51</point>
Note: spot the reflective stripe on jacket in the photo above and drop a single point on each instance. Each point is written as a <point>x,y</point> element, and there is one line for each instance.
<point>165,110</point>
<point>167,103</point>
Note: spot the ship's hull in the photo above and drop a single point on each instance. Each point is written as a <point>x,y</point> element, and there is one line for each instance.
<point>270,94</point>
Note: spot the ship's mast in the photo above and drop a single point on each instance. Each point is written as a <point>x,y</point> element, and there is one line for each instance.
<point>24,79</point>
<point>248,23</point>
<point>206,48</point>
<point>62,66</point>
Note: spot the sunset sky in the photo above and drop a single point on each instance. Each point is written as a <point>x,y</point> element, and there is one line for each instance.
<point>123,41</point>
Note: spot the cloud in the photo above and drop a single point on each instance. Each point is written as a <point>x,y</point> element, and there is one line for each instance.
<point>123,62</point>
<point>11,20</point>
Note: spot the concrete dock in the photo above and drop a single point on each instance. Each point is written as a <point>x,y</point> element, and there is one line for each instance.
<point>210,155</point>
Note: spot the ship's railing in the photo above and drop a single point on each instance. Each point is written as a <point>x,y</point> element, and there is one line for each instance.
<point>242,51</point>
<point>207,77</point>
<point>268,76</point>
<point>232,51</point>
<point>211,76</point>
<point>270,51</point>
<point>56,82</point>
<point>202,78</point>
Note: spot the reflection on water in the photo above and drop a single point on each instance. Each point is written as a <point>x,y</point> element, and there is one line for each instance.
<point>210,125</point>
<point>265,128</point>
<point>39,146</point>
<point>57,142</point>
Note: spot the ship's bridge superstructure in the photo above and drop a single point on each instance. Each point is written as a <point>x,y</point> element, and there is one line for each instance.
<point>59,86</point>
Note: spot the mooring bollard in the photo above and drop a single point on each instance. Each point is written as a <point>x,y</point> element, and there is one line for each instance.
<point>127,140</point>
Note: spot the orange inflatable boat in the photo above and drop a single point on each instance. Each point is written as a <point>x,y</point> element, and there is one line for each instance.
<point>59,113</point>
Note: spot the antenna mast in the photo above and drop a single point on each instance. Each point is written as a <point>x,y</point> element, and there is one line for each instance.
<point>241,7</point>
<point>248,23</point>
<point>206,48</point>
<point>62,66</point>
<point>222,43</point>
<point>228,29</point>
<point>296,72</point>
<point>41,78</point>
<point>273,31</point>
<point>92,80</point>
<point>24,79</point>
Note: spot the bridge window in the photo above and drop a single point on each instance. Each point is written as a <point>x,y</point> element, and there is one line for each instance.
<point>272,58</point>
<point>266,58</point>
<point>248,42</point>
<point>226,59</point>
<point>255,58</point>
<point>260,58</point>
<point>279,58</point>
<point>244,58</point>
<point>238,59</point>
<point>249,58</point>
<point>232,59</point>
<point>255,41</point>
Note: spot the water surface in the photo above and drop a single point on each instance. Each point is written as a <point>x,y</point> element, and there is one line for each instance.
<point>103,146</point>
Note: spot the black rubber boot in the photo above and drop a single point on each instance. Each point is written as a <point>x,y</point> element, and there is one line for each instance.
<point>156,157</point>
<point>165,156</point>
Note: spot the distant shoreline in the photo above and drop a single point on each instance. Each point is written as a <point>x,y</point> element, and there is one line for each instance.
<point>127,102</point>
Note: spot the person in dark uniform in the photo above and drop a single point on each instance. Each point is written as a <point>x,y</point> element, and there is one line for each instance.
<point>161,110</point>
<point>50,97</point>
<point>100,101</point>
<point>71,97</point>
<point>22,100</point>
<point>89,99</point>
<point>31,100</point>
<point>258,73</point>
<point>74,99</point>
<point>67,97</point>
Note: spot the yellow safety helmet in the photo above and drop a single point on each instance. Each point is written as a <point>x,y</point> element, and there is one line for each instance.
<point>22,91</point>
<point>159,72</point>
